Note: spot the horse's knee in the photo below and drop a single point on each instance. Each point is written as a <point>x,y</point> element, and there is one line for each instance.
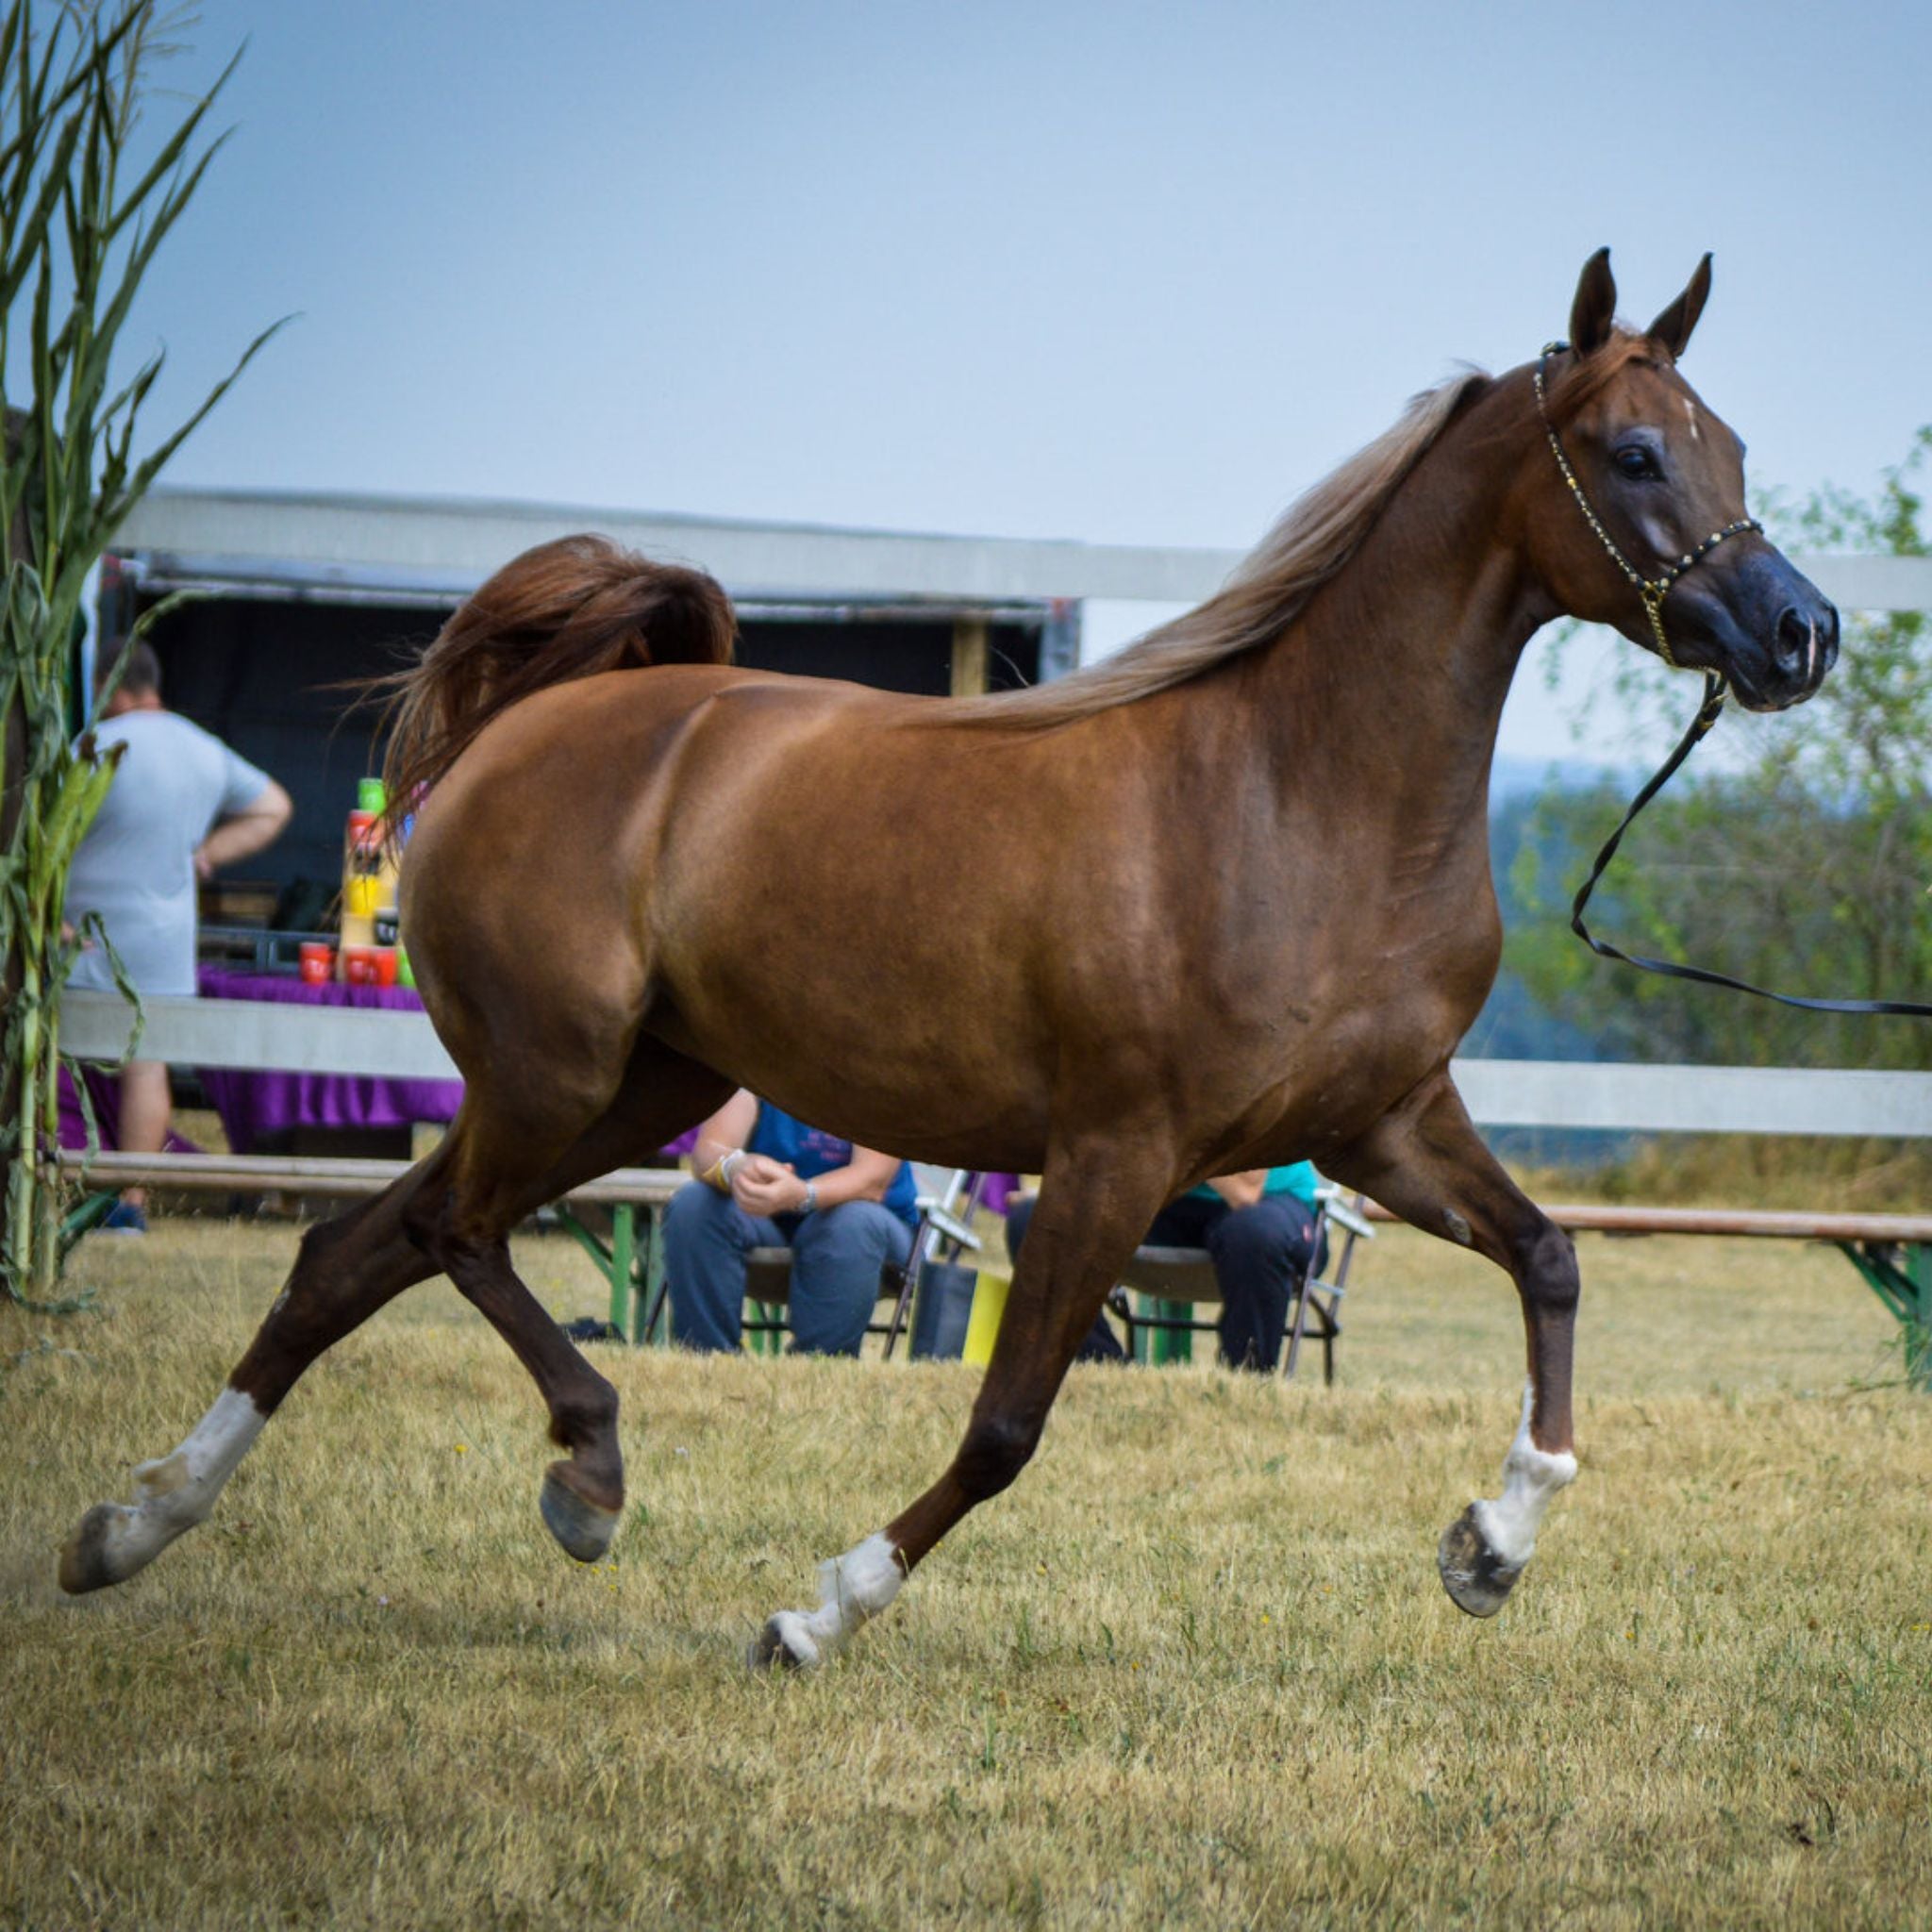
<point>318,1253</point>
<point>1544,1263</point>
<point>995,1450</point>
<point>303,1317</point>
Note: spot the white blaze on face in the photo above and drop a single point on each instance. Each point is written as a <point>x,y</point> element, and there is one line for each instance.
<point>1530,1477</point>
<point>1690,417</point>
<point>853,1589</point>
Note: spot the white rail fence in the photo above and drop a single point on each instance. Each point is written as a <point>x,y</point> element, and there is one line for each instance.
<point>1545,1094</point>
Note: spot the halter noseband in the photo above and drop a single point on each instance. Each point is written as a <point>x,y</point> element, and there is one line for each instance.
<point>1651,591</point>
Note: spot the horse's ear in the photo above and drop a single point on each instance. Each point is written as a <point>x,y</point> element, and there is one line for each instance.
<point>1672,329</point>
<point>1595,305</point>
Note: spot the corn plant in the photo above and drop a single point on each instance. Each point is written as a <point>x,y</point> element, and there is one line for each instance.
<point>86,199</point>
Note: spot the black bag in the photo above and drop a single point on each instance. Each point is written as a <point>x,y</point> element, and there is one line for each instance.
<point>942,1311</point>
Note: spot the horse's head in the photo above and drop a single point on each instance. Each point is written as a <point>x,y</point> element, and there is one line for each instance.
<point>1636,515</point>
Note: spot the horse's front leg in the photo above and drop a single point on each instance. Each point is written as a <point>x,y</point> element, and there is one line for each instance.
<point>1426,1163</point>
<point>1094,1209</point>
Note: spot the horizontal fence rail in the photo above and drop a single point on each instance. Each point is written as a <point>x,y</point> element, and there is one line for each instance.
<point>1499,1093</point>
<point>1695,1100</point>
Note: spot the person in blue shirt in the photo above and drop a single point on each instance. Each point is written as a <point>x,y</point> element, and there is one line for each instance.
<point>766,1180</point>
<point>1257,1227</point>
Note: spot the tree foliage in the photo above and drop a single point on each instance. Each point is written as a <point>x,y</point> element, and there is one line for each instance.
<point>1809,870</point>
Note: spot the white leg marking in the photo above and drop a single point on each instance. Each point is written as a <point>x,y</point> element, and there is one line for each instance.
<point>852,1587</point>
<point>171,1496</point>
<point>1530,1477</point>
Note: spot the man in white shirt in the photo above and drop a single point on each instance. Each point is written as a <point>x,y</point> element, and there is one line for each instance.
<point>181,806</point>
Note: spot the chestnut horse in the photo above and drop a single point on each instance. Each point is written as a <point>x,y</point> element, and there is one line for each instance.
<point>1232,907</point>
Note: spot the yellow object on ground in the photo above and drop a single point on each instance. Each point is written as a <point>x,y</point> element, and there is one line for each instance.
<point>983,1325</point>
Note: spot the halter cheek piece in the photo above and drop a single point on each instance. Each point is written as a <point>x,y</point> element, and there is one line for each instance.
<point>1651,590</point>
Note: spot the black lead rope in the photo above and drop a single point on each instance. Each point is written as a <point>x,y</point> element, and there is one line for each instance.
<point>1700,727</point>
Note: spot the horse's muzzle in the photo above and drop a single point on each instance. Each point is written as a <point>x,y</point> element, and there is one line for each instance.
<point>1771,631</point>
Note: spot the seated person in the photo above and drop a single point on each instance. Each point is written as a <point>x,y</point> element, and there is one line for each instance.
<point>1257,1229</point>
<point>766,1180</point>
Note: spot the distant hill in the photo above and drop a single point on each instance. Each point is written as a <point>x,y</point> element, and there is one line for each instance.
<point>1510,778</point>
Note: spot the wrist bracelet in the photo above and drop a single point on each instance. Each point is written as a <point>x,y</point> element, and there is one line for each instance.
<point>810,1205</point>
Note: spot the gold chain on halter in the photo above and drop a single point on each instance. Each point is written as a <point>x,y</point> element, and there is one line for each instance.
<point>1651,591</point>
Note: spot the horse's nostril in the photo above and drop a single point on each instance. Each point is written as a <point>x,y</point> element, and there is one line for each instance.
<point>1799,640</point>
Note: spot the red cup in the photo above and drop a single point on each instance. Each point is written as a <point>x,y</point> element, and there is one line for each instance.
<point>318,962</point>
<point>358,965</point>
<point>384,965</point>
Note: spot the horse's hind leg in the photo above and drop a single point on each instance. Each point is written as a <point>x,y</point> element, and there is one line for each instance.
<point>1428,1164</point>
<point>1082,1234</point>
<point>464,1226</point>
<point>467,1231</point>
<point>345,1270</point>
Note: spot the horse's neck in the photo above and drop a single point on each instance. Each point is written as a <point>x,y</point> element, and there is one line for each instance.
<point>1396,675</point>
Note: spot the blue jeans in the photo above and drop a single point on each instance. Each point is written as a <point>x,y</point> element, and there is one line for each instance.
<point>1259,1254</point>
<point>837,1255</point>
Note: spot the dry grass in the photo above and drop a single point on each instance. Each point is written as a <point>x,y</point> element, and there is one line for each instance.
<point>1194,1669</point>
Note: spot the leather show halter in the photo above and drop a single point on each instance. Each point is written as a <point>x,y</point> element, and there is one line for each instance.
<point>1652,591</point>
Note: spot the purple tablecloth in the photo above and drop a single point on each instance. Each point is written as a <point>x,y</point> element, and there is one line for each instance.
<point>103,1090</point>
<point>255,1105</point>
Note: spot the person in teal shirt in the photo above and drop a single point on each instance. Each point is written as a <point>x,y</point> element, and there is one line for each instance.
<point>1258,1229</point>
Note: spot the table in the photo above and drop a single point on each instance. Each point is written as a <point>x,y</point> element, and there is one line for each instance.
<point>255,1106</point>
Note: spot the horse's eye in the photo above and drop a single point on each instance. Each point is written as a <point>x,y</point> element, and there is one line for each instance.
<point>1635,461</point>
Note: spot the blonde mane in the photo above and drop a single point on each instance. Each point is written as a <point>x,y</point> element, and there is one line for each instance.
<point>1315,537</point>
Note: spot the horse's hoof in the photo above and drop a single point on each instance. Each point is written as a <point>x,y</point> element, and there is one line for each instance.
<point>99,1553</point>
<point>584,1530</point>
<point>782,1644</point>
<point>1476,1577</point>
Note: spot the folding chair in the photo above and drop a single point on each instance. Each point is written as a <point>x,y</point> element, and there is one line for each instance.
<point>1175,1279</point>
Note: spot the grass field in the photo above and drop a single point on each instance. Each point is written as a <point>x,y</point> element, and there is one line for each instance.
<point>1194,1669</point>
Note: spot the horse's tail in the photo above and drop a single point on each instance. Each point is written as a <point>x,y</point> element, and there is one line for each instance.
<point>562,610</point>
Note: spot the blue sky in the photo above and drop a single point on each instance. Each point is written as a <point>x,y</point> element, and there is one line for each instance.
<point>1130,273</point>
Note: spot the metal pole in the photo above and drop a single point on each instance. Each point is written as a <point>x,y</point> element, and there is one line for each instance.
<point>655,1305</point>
<point>1900,1274</point>
<point>623,1252</point>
